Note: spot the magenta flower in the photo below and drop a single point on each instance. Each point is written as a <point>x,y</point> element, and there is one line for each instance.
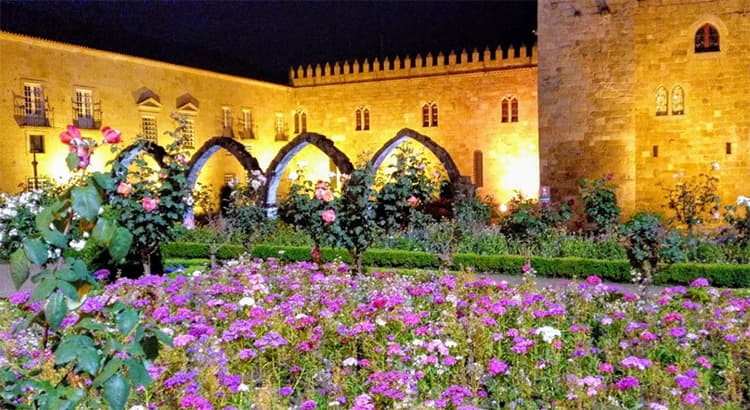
<point>149,204</point>
<point>699,283</point>
<point>593,280</point>
<point>627,383</point>
<point>285,391</point>
<point>496,367</point>
<point>111,135</point>
<point>684,382</point>
<point>329,215</point>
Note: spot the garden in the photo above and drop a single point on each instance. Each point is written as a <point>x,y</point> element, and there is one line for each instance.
<point>372,291</point>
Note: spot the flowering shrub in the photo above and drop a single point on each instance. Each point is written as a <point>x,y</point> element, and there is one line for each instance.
<point>691,200</point>
<point>309,207</point>
<point>17,215</point>
<point>91,349</point>
<point>600,203</point>
<point>246,214</point>
<point>257,334</point>
<point>527,219</point>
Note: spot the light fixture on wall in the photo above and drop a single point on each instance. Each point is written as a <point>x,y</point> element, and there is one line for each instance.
<point>36,146</point>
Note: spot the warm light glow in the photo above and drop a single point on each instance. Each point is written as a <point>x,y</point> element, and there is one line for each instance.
<point>503,208</point>
<point>521,173</point>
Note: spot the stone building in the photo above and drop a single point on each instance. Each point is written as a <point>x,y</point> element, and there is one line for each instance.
<point>641,89</point>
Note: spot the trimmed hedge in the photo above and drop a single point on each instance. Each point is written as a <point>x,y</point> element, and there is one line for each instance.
<point>720,275</point>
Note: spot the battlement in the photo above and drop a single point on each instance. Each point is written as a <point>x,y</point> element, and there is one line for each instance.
<point>511,57</point>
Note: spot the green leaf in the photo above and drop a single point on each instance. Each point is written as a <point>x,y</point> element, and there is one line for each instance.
<point>55,310</point>
<point>163,337</point>
<point>36,251</point>
<point>116,392</point>
<point>113,366</point>
<point>90,324</point>
<point>138,373</point>
<point>88,360</point>
<point>120,244</point>
<point>126,320</point>
<point>43,289</point>
<point>150,346</point>
<point>79,267</point>
<point>67,275</point>
<point>104,181</point>
<point>67,350</point>
<point>43,221</point>
<point>19,267</point>
<point>67,289</point>
<point>103,231</point>
<point>72,161</point>
<point>86,201</point>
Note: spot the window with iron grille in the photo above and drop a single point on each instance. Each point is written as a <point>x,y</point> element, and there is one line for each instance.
<point>247,124</point>
<point>84,107</point>
<point>148,128</point>
<point>706,39</point>
<point>33,99</point>
<point>188,132</point>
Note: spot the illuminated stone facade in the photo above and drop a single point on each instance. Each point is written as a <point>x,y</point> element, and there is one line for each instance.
<point>633,88</point>
<point>624,87</point>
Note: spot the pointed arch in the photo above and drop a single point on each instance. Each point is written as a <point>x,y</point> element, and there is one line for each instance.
<point>445,159</point>
<point>678,100</point>
<point>128,154</point>
<point>279,163</point>
<point>208,149</point>
<point>662,100</point>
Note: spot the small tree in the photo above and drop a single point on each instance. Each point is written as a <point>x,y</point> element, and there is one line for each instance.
<point>600,203</point>
<point>692,199</point>
<point>246,216</point>
<point>152,201</point>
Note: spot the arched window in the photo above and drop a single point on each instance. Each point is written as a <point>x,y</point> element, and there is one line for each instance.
<point>425,115</point>
<point>358,120</point>
<point>478,169</point>
<point>661,101</point>
<point>367,119</point>
<point>678,100</point>
<point>296,123</point>
<point>509,108</point>
<point>514,109</point>
<point>505,110</point>
<point>706,39</point>
<point>434,122</point>
<point>304,122</point>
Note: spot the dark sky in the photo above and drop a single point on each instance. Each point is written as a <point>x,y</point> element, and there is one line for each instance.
<point>263,40</point>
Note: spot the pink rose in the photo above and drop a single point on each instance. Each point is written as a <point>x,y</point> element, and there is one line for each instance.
<point>70,134</point>
<point>412,201</point>
<point>111,135</point>
<point>124,189</point>
<point>149,204</point>
<point>329,215</point>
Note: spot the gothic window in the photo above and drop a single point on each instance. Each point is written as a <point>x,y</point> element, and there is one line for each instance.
<point>358,120</point>
<point>505,110</point>
<point>434,119</point>
<point>706,39</point>
<point>367,119</point>
<point>296,123</point>
<point>426,115</point>
<point>509,109</point>
<point>678,101</point>
<point>478,169</point>
<point>226,117</point>
<point>661,101</point>
<point>430,115</point>
<point>303,118</point>
<point>514,109</point>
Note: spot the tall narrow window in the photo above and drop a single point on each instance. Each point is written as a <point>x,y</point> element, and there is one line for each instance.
<point>303,122</point>
<point>280,128</point>
<point>226,117</point>
<point>84,104</point>
<point>296,123</point>
<point>247,124</point>
<point>367,119</point>
<point>188,132</point>
<point>425,115</point>
<point>706,39</point>
<point>34,105</point>
<point>434,119</point>
<point>505,110</point>
<point>148,128</point>
<point>358,120</point>
<point>478,168</point>
<point>678,100</point>
<point>661,101</point>
<point>514,109</point>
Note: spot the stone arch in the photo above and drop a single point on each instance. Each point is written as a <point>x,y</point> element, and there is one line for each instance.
<point>279,163</point>
<point>462,185</point>
<point>206,151</point>
<point>128,154</point>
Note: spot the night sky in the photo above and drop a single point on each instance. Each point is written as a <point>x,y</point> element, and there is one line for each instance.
<point>263,40</point>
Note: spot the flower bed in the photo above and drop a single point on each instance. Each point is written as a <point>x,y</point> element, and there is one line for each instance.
<point>257,334</point>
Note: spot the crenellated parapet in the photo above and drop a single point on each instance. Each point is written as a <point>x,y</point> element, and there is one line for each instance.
<point>405,67</point>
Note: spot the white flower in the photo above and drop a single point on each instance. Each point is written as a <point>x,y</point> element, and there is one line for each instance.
<point>247,301</point>
<point>450,343</point>
<point>380,322</point>
<point>77,245</point>
<point>256,184</point>
<point>138,407</point>
<point>548,333</point>
<point>350,362</point>
<point>293,176</point>
<point>243,388</point>
<point>743,200</point>
<point>715,166</point>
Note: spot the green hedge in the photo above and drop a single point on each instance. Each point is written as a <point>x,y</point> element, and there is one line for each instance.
<point>612,270</point>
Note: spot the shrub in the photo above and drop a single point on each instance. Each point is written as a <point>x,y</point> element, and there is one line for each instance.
<point>600,203</point>
<point>526,218</point>
<point>691,200</point>
<point>649,243</point>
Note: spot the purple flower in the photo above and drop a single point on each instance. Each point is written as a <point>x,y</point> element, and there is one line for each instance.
<point>496,367</point>
<point>195,402</point>
<point>19,297</point>
<point>101,274</point>
<point>183,340</point>
<point>636,363</point>
<point>685,382</point>
<point>285,391</point>
<point>308,405</point>
<point>730,338</point>
<point>691,398</point>
<point>677,332</point>
<point>627,383</point>
<point>699,283</point>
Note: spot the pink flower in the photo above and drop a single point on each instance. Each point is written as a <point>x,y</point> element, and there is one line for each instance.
<point>70,134</point>
<point>149,204</point>
<point>111,135</point>
<point>124,189</point>
<point>84,156</point>
<point>699,283</point>
<point>525,268</point>
<point>412,201</point>
<point>593,280</point>
<point>329,215</point>
<point>189,223</point>
<point>496,367</point>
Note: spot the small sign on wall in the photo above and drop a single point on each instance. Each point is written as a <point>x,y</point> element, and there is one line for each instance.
<point>544,195</point>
